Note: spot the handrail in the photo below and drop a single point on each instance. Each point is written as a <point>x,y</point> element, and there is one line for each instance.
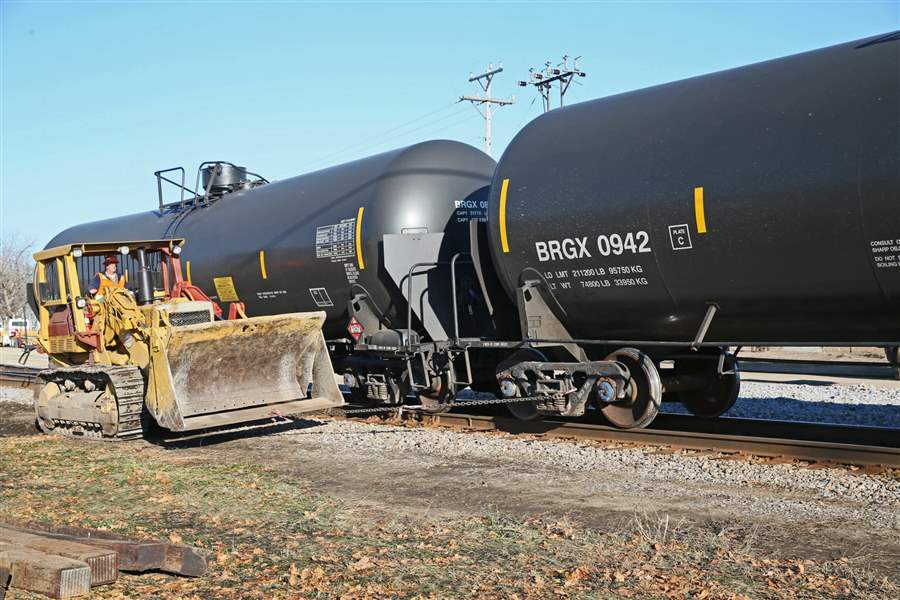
<point>409,299</point>
<point>194,192</point>
<point>160,179</point>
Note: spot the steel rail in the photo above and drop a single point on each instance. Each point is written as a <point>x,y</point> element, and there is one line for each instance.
<point>19,374</point>
<point>854,447</point>
<point>817,442</point>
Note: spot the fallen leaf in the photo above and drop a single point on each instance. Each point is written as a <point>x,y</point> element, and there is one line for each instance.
<point>175,538</point>
<point>577,575</point>
<point>362,564</point>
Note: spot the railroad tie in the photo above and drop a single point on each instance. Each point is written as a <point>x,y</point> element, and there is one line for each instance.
<point>102,562</point>
<point>48,574</point>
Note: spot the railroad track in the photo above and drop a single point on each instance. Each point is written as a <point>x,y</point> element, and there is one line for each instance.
<point>791,441</point>
<point>18,374</point>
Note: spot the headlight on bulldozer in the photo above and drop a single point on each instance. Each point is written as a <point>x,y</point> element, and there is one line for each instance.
<point>176,250</point>
<point>80,302</point>
<point>124,250</point>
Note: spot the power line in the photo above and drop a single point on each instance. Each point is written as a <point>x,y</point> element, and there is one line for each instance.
<point>401,135</point>
<point>446,127</point>
<point>382,135</point>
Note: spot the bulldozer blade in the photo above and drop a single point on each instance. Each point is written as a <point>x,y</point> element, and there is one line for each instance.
<point>228,372</point>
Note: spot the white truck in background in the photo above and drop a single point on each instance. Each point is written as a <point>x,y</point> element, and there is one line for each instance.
<point>13,331</point>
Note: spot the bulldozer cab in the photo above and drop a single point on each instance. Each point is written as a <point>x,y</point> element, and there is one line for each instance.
<point>63,279</point>
<point>198,370</point>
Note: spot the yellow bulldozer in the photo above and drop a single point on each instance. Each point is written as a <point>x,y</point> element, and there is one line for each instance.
<point>141,347</point>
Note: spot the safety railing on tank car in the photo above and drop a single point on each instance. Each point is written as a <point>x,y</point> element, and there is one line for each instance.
<point>455,339</point>
<point>159,189</point>
<point>196,198</point>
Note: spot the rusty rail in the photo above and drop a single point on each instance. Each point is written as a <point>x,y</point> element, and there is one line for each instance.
<point>815,442</point>
<point>18,374</point>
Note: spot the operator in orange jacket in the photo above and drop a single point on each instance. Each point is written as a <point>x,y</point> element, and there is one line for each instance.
<point>108,278</point>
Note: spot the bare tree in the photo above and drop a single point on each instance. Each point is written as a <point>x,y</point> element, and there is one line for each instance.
<point>16,269</point>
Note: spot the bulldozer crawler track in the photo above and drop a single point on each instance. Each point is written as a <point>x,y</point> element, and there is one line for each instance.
<point>127,383</point>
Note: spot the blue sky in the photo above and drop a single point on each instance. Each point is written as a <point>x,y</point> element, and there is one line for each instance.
<point>96,96</point>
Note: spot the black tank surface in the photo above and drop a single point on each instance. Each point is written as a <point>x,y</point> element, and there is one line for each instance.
<point>299,244</point>
<point>771,190</point>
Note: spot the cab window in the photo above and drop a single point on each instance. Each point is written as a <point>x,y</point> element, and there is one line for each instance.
<point>88,266</point>
<point>48,281</point>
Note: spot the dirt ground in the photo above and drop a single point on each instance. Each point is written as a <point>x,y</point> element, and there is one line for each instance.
<point>454,491</point>
<point>15,419</point>
<point>275,533</point>
<point>464,488</point>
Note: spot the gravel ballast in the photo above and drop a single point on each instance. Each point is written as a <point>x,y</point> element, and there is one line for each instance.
<point>16,395</point>
<point>786,490</point>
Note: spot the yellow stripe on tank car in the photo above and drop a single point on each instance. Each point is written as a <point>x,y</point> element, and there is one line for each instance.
<point>504,242</point>
<point>699,213</point>
<point>262,264</point>
<point>359,256</point>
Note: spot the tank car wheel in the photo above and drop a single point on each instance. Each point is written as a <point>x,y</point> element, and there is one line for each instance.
<point>400,388</point>
<point>524,411</point>
<point>891,354</point>
<point>720,393</point>
<point>643,394</point>
<point>439,397</point>
<point>358,397</point>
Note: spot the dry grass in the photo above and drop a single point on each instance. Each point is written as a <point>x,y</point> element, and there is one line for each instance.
<point>271,536</point>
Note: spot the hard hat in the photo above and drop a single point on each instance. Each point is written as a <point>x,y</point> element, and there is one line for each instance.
<point>112,259</point>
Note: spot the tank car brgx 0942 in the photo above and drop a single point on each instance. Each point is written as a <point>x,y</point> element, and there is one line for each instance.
<point>759,205</point>
<point>771,191</point>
